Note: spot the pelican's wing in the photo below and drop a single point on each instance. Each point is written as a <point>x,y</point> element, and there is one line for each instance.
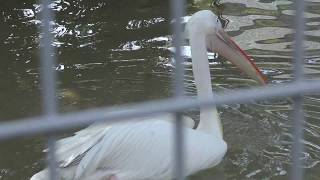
<point>130,150</point>
<point>187,121</point>
<point>143,150</point>
<point>70,151</point>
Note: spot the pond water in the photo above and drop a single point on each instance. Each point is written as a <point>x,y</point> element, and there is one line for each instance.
<point>115,52</point>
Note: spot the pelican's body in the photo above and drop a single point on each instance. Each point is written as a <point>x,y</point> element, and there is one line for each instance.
<point>144,149</point>
<point>134,151</point>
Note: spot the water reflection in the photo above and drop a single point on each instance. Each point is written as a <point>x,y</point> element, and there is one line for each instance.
<point>306,14</point>
<point>272,5</point>
<point>137,24</point>
<point>107,59</point>
<point>237,22</point>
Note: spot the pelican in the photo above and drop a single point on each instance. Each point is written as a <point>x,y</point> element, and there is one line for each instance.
<point>142,149</point>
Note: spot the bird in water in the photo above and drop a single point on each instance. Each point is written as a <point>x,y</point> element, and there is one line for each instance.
<point>142,149</point>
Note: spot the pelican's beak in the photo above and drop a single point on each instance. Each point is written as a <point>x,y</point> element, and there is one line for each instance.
<point>226,47</point>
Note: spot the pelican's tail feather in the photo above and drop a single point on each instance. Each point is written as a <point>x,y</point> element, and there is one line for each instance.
<point>42,175</point>
<point>71,150</point>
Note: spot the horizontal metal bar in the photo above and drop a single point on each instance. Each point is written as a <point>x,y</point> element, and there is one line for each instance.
<point>43,125</point>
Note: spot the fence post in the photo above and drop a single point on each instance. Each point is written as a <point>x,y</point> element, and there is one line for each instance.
<point>298,117</point>
<point>177,12</point>
<point>48,81</point>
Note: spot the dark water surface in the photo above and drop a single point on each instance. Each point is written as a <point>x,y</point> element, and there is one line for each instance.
<point>115,52</point>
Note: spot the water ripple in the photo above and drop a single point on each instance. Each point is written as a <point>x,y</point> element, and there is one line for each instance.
<point>137,24</point>
<point>237,22</point>
<point>260,5</point>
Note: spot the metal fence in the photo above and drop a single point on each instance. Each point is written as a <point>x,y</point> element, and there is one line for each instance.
<point>52,123</point>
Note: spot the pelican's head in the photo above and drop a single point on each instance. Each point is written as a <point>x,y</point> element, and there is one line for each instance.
<point>206,23</point>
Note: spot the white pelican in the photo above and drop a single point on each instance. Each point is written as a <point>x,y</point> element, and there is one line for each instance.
<point>143,150</point>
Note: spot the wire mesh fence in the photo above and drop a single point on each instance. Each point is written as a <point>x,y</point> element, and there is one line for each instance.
<point>52,123</point>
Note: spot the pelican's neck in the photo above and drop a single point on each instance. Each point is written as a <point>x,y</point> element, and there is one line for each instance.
<point>209,119</point>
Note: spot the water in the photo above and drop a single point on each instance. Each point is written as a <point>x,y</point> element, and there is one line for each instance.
<point>106,58</point>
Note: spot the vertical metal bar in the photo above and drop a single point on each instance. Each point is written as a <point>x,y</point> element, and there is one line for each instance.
<point>177,12</point>
<point>298,118</point>
<point>48,82</point>
<point>297,147</point>
<point>299,37</point>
